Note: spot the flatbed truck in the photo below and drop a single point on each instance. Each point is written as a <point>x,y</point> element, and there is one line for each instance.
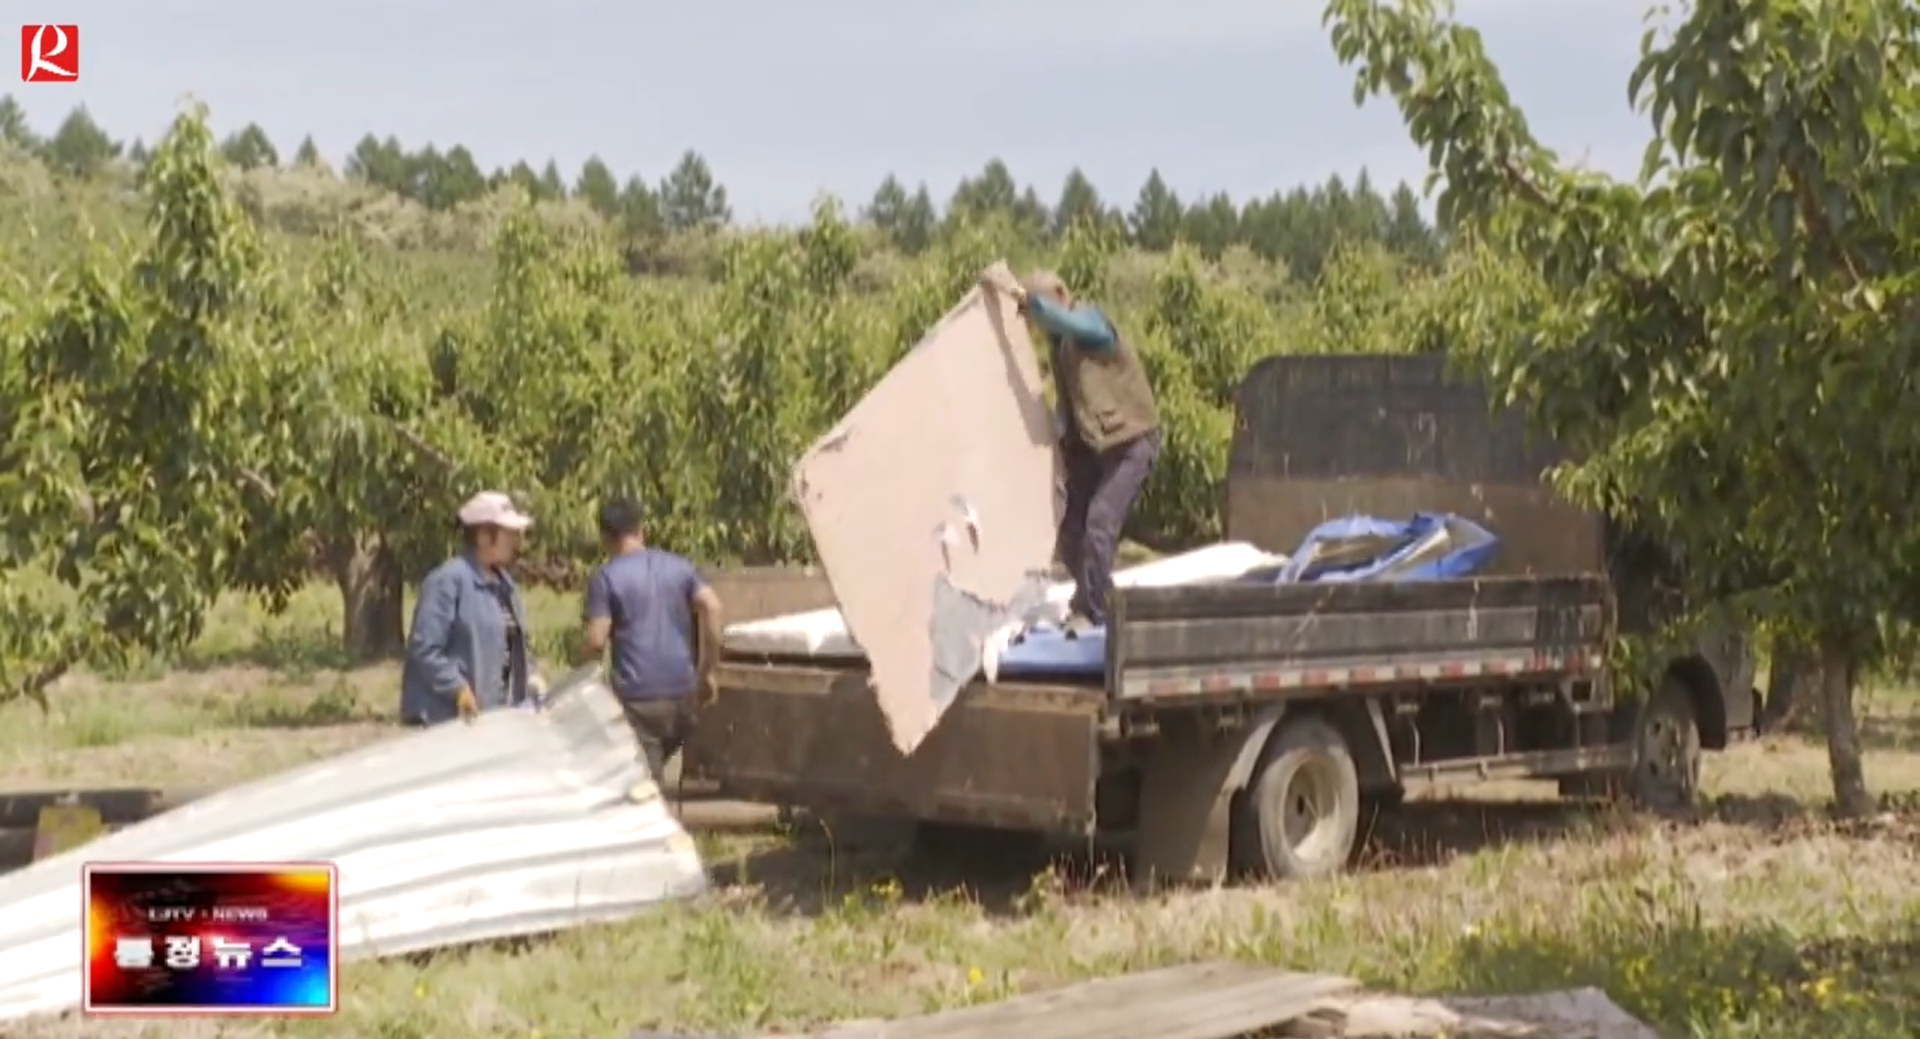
<point>1247,727</point>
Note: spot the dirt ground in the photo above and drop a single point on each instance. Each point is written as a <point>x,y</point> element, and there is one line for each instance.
<point>1757,917</point>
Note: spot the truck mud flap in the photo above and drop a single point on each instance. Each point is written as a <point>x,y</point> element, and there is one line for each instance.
<point>1014,756</point>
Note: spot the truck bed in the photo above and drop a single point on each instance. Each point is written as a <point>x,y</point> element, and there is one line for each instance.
<point>1028,755</point>
<point>1021,756</point>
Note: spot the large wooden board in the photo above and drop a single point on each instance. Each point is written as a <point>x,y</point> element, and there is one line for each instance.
<point>932,506</point>
<point>1199,1001</point>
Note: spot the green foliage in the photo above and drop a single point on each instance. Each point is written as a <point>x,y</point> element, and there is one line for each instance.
<point>213,407</point>
<point>1725,339</point>
<point>79,149</point>
<point>250,149</point>
<point>127,469</point>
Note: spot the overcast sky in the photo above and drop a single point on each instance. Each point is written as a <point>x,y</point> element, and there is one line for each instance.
<point>787,100</point>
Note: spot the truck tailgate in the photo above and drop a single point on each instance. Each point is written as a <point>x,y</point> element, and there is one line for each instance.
<point>1018,756</point>
<point>1243,639</point>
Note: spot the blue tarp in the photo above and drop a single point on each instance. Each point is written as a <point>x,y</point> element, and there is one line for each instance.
<point>1427,547</point>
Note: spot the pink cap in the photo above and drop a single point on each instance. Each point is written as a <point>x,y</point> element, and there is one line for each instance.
<point>493,509</point>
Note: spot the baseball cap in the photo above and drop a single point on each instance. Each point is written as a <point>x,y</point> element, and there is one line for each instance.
<point>493,509</point>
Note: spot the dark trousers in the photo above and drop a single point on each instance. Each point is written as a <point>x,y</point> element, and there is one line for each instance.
<point>1101,488</point>
<point>661,726</point>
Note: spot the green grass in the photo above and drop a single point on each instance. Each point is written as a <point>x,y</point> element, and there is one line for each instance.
<point>1760,919</point>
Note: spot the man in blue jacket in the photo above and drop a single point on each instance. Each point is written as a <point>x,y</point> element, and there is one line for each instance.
<point>1109,431</point>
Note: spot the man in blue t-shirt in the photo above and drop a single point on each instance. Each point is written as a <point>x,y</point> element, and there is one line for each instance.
<point>643,604</point>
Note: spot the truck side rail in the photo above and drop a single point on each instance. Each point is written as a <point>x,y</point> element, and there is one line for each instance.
<point>1242,639</point>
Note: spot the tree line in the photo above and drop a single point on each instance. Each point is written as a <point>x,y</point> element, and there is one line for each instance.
<point>1297,228</point>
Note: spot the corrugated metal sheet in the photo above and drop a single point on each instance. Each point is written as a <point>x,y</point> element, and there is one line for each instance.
<point>520,823</point>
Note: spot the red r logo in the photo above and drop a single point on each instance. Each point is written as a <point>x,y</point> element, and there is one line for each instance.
<point>49,53</point>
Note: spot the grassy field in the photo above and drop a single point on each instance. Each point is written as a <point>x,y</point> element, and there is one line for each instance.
<point>1760,918</point>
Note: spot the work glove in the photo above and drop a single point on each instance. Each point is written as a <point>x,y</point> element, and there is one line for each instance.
<point>466,703</point>
<point>1000,282</point>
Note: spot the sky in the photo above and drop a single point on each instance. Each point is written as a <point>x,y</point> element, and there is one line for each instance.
<point>789,100</point>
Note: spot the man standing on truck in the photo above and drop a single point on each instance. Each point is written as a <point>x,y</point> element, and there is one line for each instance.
<point>643,604</point>
<point>1109,427</point>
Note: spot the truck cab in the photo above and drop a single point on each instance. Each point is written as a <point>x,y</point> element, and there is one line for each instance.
<point>1245,726</point>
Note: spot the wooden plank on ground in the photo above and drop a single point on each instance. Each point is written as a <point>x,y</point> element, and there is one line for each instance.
<point>118,806</point>
<point>63,828</point>
<point>1199,1001</point>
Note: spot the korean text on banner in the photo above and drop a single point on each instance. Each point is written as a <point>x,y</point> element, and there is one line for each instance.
<point>230,938</point>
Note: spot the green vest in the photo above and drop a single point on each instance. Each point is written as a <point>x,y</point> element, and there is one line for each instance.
<point>1103,394</point>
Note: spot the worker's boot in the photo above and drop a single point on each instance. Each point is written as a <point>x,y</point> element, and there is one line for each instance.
<point>1076,624</point>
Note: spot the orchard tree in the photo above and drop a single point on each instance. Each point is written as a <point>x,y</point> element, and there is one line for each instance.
<point>754,411</point>
<point>529,384</point>
<point>1200,338</point>
<point>389,454</point>
<point>132,451</point>
<point>1729,342</point>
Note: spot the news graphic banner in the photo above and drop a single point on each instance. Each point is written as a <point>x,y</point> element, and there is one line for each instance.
<point>174,938</point>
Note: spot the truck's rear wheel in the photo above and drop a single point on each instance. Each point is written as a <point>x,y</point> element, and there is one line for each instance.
<point>1300,815</point>
<point>1666,751</point>
<point>1665,774</point>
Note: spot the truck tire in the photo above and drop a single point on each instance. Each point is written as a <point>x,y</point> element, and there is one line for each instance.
<point>1299,817</point>
<point>1666,751</point>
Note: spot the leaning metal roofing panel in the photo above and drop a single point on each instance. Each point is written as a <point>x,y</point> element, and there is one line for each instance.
<point>519,823</point>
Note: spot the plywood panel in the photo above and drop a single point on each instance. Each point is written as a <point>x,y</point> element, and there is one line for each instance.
<point>932,507</point>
